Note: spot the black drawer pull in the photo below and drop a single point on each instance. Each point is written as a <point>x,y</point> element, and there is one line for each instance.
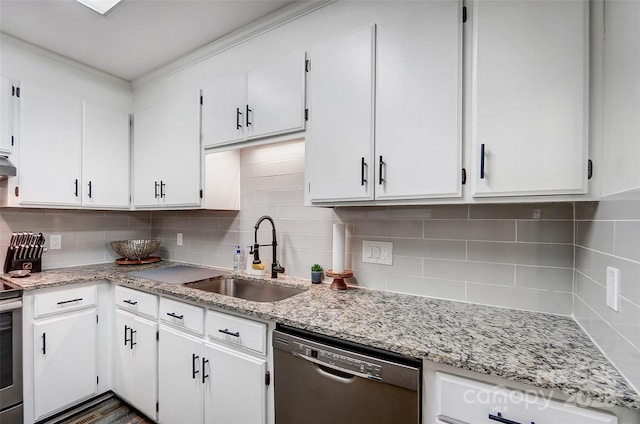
<point>482,161</point>
<point>89,189</point>
<point>44,343</point>
<point>238,115</point>
<point>363,178</point>
<point>382,164</point>
<point>126,328</point>
<point>503,420</point>
<point>226,331</point>
<point>130,302</point>
<point>70,301</point>
<point>76,190</point>
<point>132,332</point>
<point>171,314</point>
<point>156,185</point>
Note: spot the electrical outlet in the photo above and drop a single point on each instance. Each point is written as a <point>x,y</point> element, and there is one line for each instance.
<point>179,239</point>
<point>377,252</point>
<point>613,288</point>
<point>55,241</point>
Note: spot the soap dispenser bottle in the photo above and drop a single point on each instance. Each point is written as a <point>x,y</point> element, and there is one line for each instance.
<point>238,260</point>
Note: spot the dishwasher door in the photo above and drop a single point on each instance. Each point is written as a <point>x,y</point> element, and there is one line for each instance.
<point>318,382</point>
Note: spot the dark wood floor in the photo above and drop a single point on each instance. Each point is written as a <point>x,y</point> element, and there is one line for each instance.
<point>109,411</point>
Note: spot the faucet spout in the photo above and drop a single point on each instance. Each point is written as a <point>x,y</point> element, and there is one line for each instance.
<point>275,266</point>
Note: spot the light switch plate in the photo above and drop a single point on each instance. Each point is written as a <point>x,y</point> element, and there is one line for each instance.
<point>377,252</point>
<point>613,288</point>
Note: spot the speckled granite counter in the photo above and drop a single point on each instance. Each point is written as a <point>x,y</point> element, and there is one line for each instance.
<point>546,351</point>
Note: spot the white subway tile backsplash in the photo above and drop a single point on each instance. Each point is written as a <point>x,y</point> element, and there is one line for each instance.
<point>538,231</point>
<point>434,249</point>
<point>627,240</point>
<point>553,211</point>
<point>521,298</point>
<point>493,230</point>
<point>478,272</point>
<point>542,254</point>
<point>443,289</point>
<point>536,277</point>
<point>598,237</point>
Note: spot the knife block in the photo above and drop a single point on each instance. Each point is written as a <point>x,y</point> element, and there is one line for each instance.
<point>12,264</point>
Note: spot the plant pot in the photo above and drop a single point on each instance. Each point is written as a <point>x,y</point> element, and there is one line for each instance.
<point>316,277</point>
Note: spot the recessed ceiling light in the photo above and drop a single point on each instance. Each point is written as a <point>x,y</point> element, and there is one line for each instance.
<point>101,6</point>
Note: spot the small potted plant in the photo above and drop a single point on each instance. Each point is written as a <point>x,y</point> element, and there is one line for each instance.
<point>316,274</point>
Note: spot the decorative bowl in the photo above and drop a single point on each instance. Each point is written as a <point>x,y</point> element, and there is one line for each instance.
<point>135,249</point>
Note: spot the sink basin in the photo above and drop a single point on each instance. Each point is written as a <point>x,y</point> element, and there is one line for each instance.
<point>245,289</point>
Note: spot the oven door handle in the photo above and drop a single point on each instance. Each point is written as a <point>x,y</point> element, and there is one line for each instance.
<point>10,306</point>
<point>337,368</point>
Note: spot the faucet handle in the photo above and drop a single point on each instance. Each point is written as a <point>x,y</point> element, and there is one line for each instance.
<point>278,268</point>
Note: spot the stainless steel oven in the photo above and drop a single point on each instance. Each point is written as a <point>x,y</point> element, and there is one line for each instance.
<point>10,354</point>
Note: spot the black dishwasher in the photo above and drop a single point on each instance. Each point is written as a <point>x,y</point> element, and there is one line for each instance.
<point>320,380</point>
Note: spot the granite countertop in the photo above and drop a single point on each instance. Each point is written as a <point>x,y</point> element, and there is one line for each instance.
<point>547,351</point>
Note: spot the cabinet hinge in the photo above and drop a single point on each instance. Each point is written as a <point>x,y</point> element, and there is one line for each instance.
<point>464,176</point>
<point>306,114</point>
<point>267,378</point>
<point>589,169</point>
<point>464,14</point>
<point>201,194</point>
<point>307,65</point>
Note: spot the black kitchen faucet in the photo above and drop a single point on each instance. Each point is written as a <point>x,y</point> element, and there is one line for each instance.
<point>275,266</point>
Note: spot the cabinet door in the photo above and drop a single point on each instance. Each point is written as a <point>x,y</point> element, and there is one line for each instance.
<point>181,152</point>
<point>340,129</point>
<point>145,365</point>
<point>50,146</point>
<point>65,362</point>
<point>530,97</point>
<point>105,157</point>
<point>418,104</point>
<point>235,390</point>
<point>179,378</point>
<point>147,156</point>
<point>275,97</point>
<point>122,356</point>
<point>7,96</point>
<point>224,110</point>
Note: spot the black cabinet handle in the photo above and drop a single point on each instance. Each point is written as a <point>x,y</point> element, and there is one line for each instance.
<point>238,115</point>
<point>363,166</point>
<point>89,189</point>
<point>503,420</point>
<point>162,186</point>
<point>130,302</point>
<point>44,343</point>
<point>76,190</point>
<point>171,314</point>
<point>69,301</point>
<point>226,331</point>
<point>194,359</point>
<point>156,189</point>
<point>132,332</point>
<point>247,117</point>
<point>204,370</point>
<point>482,161</point>
<point>126,328</point>
<point>382,164</point>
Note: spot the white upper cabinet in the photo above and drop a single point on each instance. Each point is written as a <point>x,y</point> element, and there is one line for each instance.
<point>50,146</point>
<point>263,102</point>
<point>530,97</point>
<point>339,143</point>
<point>167,154</point>
<point>621,97</point>
<point>418,148</point>
<point>275,97</point>
<point>105,157</point>
<point>8,110</point>
<point>223,110</point>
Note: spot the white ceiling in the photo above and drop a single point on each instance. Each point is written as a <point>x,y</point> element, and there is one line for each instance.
<point>135,37</point>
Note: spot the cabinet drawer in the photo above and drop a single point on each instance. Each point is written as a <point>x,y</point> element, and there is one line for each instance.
<point>239,331</point>
<point>182,315</point>
<point>461,400</point>
<point>64,300</point>
<point>137,301</point>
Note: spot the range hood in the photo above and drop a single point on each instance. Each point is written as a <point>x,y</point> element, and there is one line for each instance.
<point>7,169</point>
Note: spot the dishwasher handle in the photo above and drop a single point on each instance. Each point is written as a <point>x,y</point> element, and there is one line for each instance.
<point>337,368</point>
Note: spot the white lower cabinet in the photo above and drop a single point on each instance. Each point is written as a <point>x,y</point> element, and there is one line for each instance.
<point>61,338</point>
<point>135,361</point>
<point>204,381</point>
<point>461,400</point>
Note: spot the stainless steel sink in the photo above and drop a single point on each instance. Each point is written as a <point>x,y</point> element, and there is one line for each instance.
<point>245,289</point>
